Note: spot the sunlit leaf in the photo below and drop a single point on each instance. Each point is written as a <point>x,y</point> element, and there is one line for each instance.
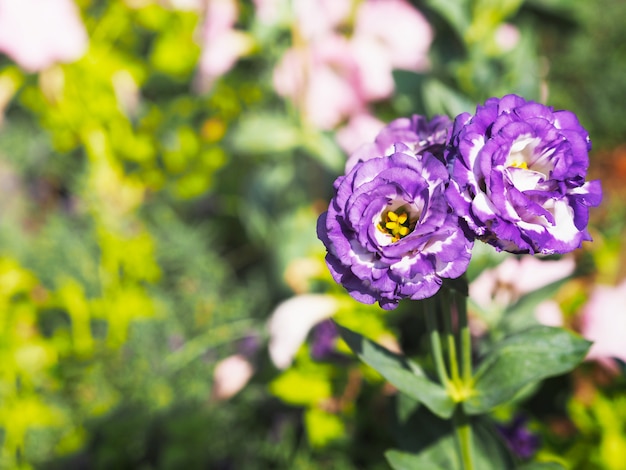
<point>406,376</point>
<point>521,360</point>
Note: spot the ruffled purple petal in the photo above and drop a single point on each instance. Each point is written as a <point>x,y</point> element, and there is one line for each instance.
<point>401,173</point>
<point>518,172</point>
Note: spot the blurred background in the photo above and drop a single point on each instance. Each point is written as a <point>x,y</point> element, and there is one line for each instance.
<point>164,299</point>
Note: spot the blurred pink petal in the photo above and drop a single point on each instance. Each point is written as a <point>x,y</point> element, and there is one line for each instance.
<point>291,321</point>
<point>318,18</point>
<point>549,313</point>
<point>222,44</point>
<point>530,273</point>
<point>39,33</point>
<point>267,11</point>
<point>331,76</point>
<point>360,128</point>
<point>374,68</point>
<point>507,37</point>
<point>400,28</point>
<point>515,277</point>
<point>230,376</point>
<point>323,81</point>
<point>603,321</point>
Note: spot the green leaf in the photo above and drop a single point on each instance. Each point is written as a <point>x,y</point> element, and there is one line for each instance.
<point>299,387</point>
<point>323,147</point>
<point>322,427</point>
<point>441,99</point>
<point>521,360</point>
<point>405,375</point>
<point>456,13</point>
<point>521,314</point>
<point>428,442</point>
<point>266,133</point>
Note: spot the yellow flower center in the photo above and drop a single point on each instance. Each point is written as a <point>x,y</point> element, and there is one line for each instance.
<point>396,223</point>
<point>523,165</point>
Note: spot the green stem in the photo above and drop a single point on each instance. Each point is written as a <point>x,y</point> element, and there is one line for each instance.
<point>435,343</point>
<point>466,339</point>
<point>451,340</point>
<point>461,422</point>
<point>458,386</point>
<point>463,429</point>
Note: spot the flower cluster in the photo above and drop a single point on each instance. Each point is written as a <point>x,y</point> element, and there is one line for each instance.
<point>407,211</point>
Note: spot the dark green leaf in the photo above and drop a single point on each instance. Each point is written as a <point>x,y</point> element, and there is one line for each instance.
<point>428,442</point>
<point>406,376</point>
<point>456,13</point>
<point>521,360</point>
<point>521,314</point>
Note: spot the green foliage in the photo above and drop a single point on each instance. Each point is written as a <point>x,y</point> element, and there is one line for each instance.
<point>407,376</point>
<point>428,442</point>
<point>150,224</point>
<point>521,360</point>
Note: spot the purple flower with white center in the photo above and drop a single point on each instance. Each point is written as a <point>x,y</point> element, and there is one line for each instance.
<point>518,173</point>
<point>416,132</point>
<point>389,232</point>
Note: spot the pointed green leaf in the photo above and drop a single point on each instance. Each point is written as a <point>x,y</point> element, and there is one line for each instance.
<point>405,375</point>
<point>521,314</point>
<point>523,359</point>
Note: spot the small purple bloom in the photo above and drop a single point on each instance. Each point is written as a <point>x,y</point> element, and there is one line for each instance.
<point>518,172</point>
<point>388,231</point>
<point>519,439</point>
<point>325,335</point>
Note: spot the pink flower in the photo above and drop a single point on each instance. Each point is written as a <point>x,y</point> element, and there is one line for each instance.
<point>323,81</point>
<point>360,128</point>
<point>267,11</point>
<point>399,28</point>
<point>222,44</point>
<point>39,33</point>
<point>230,376</point>
<point>317,18</point>
<point>330,77</point>
<point>603,321</point>
<point>507,37</point>
<point>515,277</point>
<point>496,289</point>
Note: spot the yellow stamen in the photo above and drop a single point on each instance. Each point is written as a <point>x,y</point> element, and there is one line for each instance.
<point>523,165</point>
<point>396,223</point>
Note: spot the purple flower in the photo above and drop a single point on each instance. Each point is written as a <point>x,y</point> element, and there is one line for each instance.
<point>518,173</point>
<point>325,335</point>
<point>416,132</point>
<point>519,439</point>
<point>388,231</point>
